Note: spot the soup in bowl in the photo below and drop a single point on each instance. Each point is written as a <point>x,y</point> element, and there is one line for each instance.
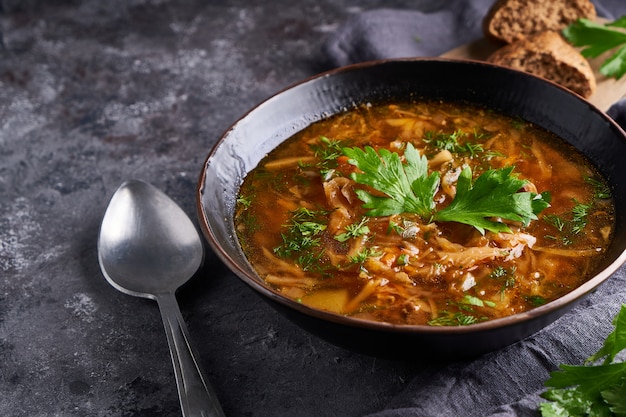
<point>418,205</point>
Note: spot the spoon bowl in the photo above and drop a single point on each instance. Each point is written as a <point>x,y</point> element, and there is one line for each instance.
<point>148,247</point>
<point>147,244</point>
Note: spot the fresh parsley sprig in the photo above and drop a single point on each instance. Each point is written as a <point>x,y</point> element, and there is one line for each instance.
<point>596,39</point>
<point>495,193</point>
<point>591,389</point>
<point>409,188</point>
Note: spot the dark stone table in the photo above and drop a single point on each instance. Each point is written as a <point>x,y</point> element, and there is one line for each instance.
<point>95,92</point>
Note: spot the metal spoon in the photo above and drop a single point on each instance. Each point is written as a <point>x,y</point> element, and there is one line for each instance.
<point>148,247</point>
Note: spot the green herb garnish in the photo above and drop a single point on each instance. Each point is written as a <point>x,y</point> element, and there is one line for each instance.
<point>450,142</point>
<point>409,188</point>
<point>596,39</point>
<point>602,191</point>
<point>327,151</point>
<point>475,301</point>
<point>302,233</point>
<point>453,319</point>
<point>466,314</point>
<point>495,193</point>
<point>597,388</point>
<point>570,224</point>
<point>504,275</point>
<point>579,217</point>
<point>361,257</point>
<point>244,201</point>
<point>354,230</point>
<point>556,221</point>
<point>535,300</point>
<point>309,261</point>
<point>246,216</point>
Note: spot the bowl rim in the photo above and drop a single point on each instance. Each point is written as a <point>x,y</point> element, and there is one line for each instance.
<point>255,282</point>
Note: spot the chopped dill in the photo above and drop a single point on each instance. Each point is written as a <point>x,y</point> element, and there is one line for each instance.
<point>505,275</point>
<point>302,232</point>
<point>310,261</point>
<point>354,230</point>
<point>448,318</point>
<point>450,142</point>
<point>444,141</point>
<point>556,221</point>
<point>327,151</point>
<point>466,314</point>
<point>569,224</point>
<point>480,135</point>
<point>579,217</point>
<point>247,217</point>
<point>361,257</point>
<point>602,191</point>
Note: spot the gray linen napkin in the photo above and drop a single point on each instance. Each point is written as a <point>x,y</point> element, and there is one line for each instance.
<point>507,382</point>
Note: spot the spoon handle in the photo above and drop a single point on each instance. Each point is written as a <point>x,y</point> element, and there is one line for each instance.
<point>197,398</point>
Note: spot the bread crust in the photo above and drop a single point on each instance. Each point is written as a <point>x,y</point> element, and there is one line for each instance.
<point>548,55</point>
<point>511,20</point>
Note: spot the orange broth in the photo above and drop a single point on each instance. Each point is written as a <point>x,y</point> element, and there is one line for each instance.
<point>304,230</point>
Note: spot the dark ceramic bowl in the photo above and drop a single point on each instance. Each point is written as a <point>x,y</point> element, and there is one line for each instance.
<point>512,92</point>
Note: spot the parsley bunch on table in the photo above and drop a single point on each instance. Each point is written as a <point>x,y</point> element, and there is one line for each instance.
<point>597,388</point>
<point>409,188</point>
<point>596,39</point>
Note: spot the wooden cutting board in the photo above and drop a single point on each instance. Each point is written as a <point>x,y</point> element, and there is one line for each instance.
<point>609,90</point>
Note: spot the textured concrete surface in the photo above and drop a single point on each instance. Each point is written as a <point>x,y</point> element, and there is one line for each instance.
<point>96,92</point>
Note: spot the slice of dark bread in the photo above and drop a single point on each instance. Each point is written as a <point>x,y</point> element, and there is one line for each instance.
<point>548,55</point>
<point>511,20</point>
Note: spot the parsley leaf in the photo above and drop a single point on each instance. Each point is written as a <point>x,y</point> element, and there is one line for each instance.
<point>615,341</point>
<point>493,194</point>
<point>596,39</point>
<point>565,403</point>
<point>591,390</point>
<point>590,382</point>
<point>616,397</point>
<point>409,188</point>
